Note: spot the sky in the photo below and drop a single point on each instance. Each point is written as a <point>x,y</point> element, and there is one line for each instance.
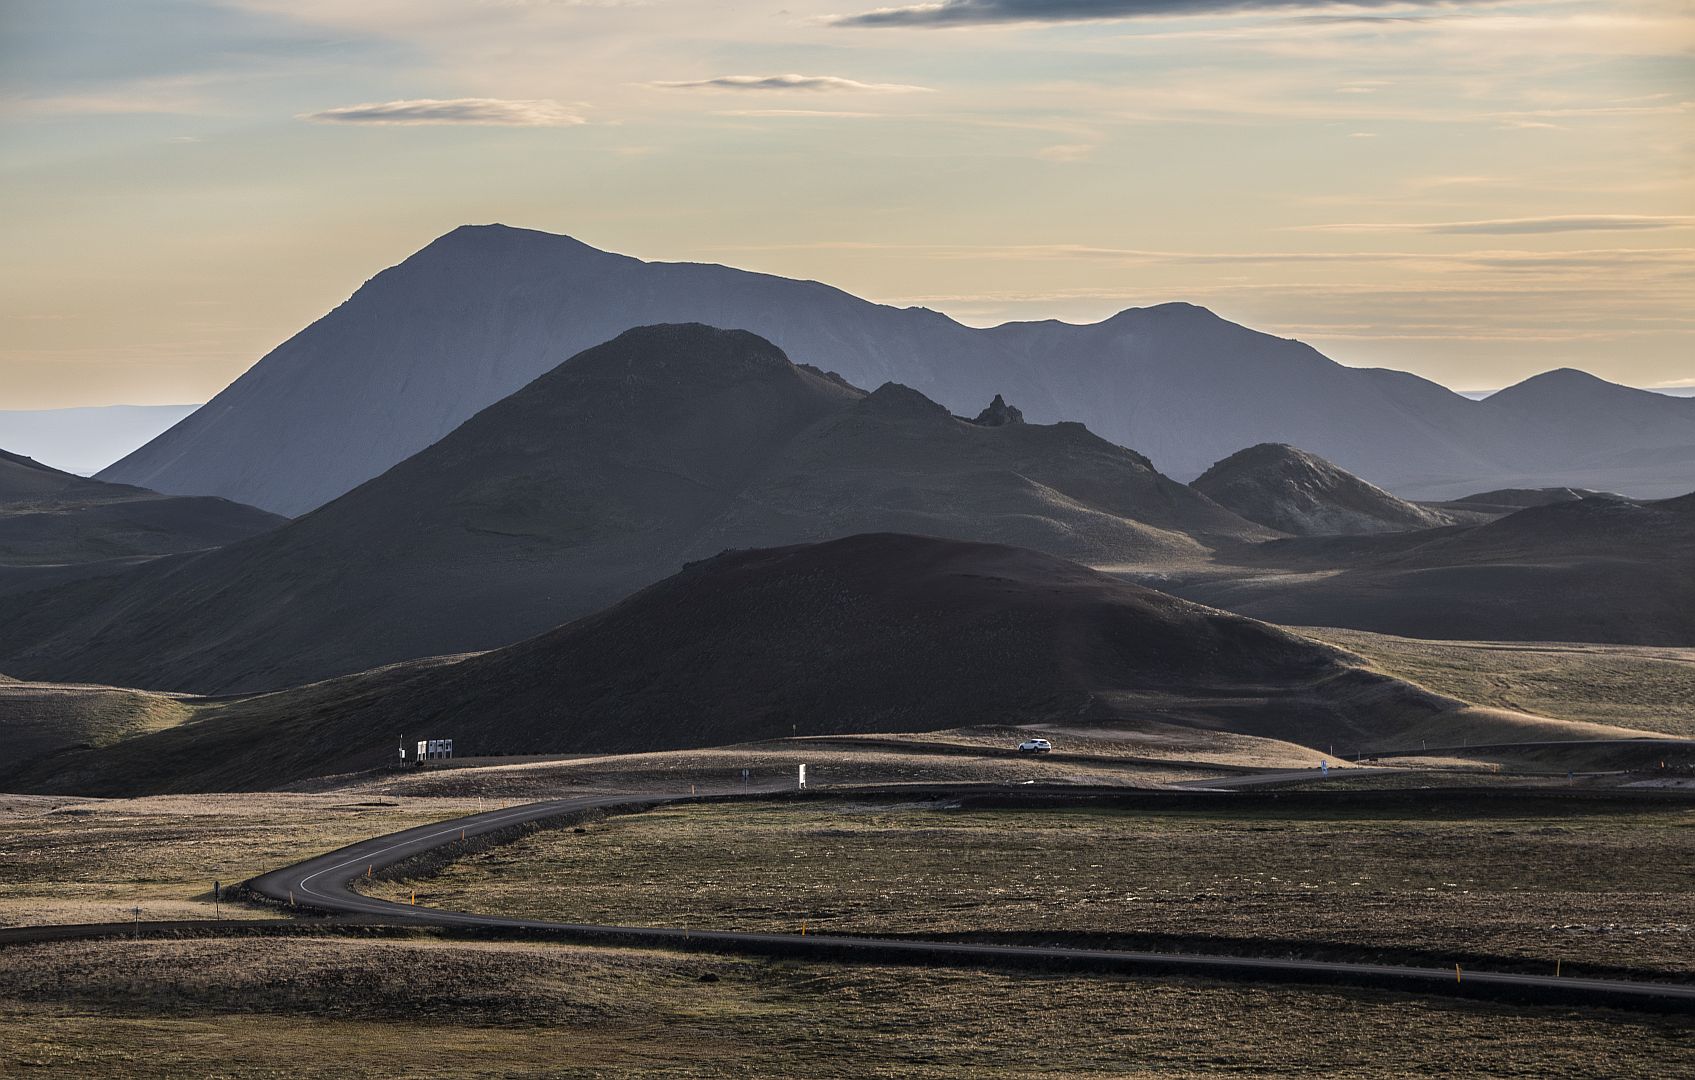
<point>1475,192</point>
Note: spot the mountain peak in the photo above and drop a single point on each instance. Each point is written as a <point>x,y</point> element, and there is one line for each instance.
<point>496,237</point>
<point>681,352</point>
<point>1557,381</point>
<point>999,414</point>
<point>896,398</point>
<point>1284,487</point>
<point>1175,309</point>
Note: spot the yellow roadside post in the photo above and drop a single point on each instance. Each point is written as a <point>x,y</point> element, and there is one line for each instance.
<point>1456,973</point>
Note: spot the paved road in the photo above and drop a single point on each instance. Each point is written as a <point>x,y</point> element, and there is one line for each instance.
<point>325,884</point>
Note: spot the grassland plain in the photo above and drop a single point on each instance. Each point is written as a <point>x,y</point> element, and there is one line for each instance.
<point>773,765</point>
<point>1510,888</point>
<point>1652,689</point>
<point>66,860</point>
<point>422,1007</point>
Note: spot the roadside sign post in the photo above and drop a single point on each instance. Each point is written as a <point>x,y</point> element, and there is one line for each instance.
<point>803,776</point>
<point>217,895</point>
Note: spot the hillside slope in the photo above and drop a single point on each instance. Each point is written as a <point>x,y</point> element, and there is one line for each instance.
<point>48,517</point>
<point>665,445</point>
<point>483,310</point>
<point>1302,494</point>
<point>1599,569</point>
<point>871,633</point>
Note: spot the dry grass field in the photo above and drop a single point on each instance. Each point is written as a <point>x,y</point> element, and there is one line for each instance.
<point>1596,891</point>
<point>773,765</point>
<point>66,860</point>
<point>1652,689</point>
<point>421,1007</point>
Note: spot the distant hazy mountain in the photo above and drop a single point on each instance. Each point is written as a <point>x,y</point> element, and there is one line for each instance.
<point>665,445</point>
<point>85,440</point>
<point>1485,505</point>
<point>48,517</point>
<point>1300,493</point>
<point>1596,569</point>
<point>485,309</point>
<point>873,633</point>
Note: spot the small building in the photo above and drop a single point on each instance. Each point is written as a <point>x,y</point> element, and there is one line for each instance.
<point>434,750</point>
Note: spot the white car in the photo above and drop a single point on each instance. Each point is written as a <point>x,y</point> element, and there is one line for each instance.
<point>1034,746</point>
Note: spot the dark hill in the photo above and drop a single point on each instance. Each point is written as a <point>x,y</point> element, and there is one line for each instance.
<point>665,445</point>
<point>1302,494</point>
<point>874,633</point>
<point>1600,569</point>
<point>51,518</point>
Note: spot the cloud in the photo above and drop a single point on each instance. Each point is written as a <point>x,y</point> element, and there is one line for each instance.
<point>1000,12</point>
<point>1067,152</point>
<point>1517,226</point>
<point>802,113</point>
<point>789,82</point>
<point>490,111</point>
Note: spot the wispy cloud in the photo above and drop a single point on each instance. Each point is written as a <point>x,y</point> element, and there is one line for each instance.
<point>1067,152</point>
<point>1000,12</point>
<point>813,83</point>
<point>490,111</point>
<point>798,113</point>
<point>1516,226</point>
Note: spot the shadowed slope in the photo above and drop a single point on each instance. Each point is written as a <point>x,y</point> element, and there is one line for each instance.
<point>667,444</point>
<point>1599,569</point>
<point>48,517</point>
<point>874,633</point>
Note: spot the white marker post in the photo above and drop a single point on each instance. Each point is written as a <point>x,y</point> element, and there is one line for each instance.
<point>803,776</point>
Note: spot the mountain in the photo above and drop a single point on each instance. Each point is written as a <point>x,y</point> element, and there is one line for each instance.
<point>51,518</point>
<point>665,445</point>
<point>871,633</point>
<point>1600,569</point>
<point>86,440</point>
<point>1487,505</point>
<point>483,310</point>
<point>1302,494</point>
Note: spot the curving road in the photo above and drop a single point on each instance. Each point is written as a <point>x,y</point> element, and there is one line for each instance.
<point>325,884</point>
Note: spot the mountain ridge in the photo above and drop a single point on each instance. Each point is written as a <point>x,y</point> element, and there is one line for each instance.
<point>479,312</point>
